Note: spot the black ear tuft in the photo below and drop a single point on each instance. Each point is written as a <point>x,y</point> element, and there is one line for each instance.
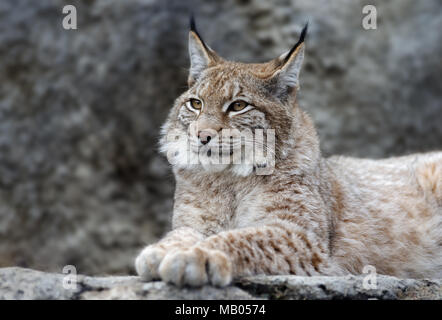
<point>193,29</point>
<point>192,23</point>
<point>301,40</point>
<point>303,33</point>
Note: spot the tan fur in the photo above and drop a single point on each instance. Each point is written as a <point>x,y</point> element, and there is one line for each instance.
<point>311,216</point>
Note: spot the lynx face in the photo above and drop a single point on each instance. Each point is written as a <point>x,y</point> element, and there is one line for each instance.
<point>234,116</point>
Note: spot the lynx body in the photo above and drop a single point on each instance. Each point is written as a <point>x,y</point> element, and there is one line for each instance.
<point>312,215</point>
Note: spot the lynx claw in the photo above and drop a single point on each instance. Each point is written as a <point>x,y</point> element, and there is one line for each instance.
<point>196,267</point>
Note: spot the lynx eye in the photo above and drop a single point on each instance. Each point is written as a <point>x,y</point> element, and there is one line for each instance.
<point>237,106</point>
<point>195,104</point>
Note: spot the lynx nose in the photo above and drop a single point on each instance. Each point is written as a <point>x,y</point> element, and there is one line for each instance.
<point>206,135</point>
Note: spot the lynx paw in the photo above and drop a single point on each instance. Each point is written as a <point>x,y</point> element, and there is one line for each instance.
<point>147,262</point>
<point>196,267</point>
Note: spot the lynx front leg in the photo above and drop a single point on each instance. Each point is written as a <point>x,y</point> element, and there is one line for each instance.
<point>261,250</point>
<point>147,262</point>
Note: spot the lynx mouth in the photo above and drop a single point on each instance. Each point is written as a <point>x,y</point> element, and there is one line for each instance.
<point>210,150</point>
<point>239,154</point>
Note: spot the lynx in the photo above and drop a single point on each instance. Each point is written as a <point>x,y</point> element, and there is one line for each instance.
<point>311,215</point>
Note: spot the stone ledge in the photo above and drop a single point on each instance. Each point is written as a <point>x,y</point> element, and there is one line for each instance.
<point>19,283</point>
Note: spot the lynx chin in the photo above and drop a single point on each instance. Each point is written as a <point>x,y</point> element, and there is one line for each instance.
<point>312,215</point>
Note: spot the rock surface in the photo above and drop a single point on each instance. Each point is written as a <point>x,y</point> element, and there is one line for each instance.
<point>19,283</point>
<point>81,182</point>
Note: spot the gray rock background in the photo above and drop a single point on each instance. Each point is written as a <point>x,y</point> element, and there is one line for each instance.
<point>80,180</point>
<point>25,284</point>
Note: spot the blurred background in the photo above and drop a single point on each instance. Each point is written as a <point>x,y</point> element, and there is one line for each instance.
<point>81,181</point>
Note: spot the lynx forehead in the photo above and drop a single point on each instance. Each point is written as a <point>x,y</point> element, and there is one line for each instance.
<point>312,215</point>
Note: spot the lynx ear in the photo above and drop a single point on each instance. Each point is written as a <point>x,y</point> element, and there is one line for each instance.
<point>289,65</point>
<point>201,56</point>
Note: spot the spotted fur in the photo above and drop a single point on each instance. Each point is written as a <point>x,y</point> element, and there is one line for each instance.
<point>311,216</point>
